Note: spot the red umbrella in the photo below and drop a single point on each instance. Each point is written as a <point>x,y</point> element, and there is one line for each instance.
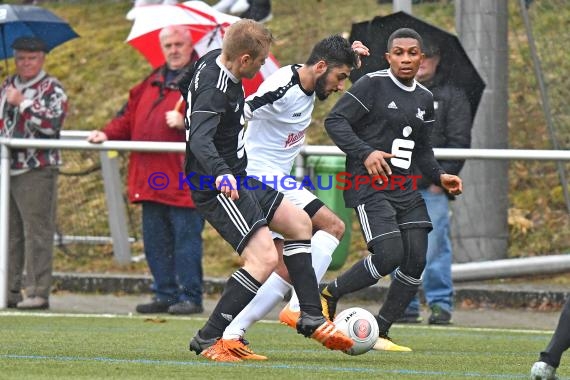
<point>206,25</point>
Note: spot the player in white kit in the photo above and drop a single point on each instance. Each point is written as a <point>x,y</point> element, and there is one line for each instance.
<point>279,114</point>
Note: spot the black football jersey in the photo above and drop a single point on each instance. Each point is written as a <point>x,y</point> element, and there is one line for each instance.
<point>215,122</point>
<point>380,113</point>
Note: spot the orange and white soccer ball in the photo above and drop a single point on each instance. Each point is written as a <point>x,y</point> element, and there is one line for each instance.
<point>361,326</point>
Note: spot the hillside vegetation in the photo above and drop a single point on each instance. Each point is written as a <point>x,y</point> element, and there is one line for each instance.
<point>98,69</point>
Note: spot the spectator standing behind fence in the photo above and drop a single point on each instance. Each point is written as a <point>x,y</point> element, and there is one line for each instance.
<point>451,129</point>
<point>172,227</point>
<point>549,360</point>
<point>33,105</point>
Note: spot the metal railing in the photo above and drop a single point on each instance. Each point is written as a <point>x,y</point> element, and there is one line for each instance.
<point>75,140</point>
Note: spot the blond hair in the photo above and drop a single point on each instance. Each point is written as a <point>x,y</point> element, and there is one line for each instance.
<point>246,37</point>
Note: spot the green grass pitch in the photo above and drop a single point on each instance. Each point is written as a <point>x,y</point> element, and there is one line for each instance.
<point>50,346</point>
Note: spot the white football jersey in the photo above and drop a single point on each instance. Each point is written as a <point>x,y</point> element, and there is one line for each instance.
<point>279,114</point>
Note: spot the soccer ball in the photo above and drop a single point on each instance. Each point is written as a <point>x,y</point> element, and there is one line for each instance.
<point>361,326</point>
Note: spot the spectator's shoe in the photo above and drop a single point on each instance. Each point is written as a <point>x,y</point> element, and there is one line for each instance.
<point>239,7</point>
<point>185,308</point>
<point>543,371</point>
<point>239,349</point>
<point>33,303</point>
<point>289,317</point>
<point>153,307</point>
<point>199,344</point>
<point>13,299</point>
<point>439,316</point>
<point>384,343</point>
<point>410,318</point>
<point>219,352</point>
<point>328,303</point>
<point>323,331</point>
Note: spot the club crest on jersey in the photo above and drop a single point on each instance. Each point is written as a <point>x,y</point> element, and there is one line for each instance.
<point>420,114</point>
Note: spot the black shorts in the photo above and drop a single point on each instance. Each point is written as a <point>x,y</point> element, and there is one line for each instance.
<point>384,218</point>
<point>236,221</point>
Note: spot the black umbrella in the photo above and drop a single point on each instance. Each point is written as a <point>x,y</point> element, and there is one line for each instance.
<point>455,66</point>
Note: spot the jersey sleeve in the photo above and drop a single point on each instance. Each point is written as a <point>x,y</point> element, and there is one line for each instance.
<point>207,108</point>
<point>352,107</point>
<point>457,128</point>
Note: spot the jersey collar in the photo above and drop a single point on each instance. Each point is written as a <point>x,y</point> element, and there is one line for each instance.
<point>224,68</point>
<point>400,84</point>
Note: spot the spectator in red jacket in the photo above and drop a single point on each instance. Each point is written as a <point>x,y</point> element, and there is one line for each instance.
<point>171,226</point>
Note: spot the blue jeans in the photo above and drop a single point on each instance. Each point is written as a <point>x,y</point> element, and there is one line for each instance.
<point>437,282</point>
<point>172,238</point>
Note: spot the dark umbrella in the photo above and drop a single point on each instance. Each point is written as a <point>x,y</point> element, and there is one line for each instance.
<point>455,66</point>
<point>30,21</point>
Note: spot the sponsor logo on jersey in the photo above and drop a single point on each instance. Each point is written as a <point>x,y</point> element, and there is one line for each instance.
<point>297,114</point>
<point>294,138</point>
<point>227,317</point>
<point>392,105</point>
<point>420,114</point>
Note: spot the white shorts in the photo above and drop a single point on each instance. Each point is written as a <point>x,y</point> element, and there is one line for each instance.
<point>286,184</point>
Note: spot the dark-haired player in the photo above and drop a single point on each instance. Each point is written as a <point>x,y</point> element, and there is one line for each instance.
<point>241,208</point>
<point>383,124</point>
<point>279,114</point>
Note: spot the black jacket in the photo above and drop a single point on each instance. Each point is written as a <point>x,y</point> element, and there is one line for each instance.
<point>452,127</point>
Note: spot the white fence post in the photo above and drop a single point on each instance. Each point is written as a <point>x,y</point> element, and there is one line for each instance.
<point>4,225</point>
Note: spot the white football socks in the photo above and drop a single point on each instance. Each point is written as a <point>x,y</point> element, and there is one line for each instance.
<point>275,288</point>
<point>269,294</point>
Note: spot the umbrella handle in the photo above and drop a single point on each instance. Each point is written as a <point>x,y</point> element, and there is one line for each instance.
<point>178,104</point>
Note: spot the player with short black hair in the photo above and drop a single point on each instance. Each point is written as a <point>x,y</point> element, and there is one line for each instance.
<point>383,125</point>
<point>279,114</point>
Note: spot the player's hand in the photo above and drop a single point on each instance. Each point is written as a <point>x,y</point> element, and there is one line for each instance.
<point>227,185</point>
<point>174,119</point>
<point>97,137</point>
<point>376,164</point>
<point>362,51</point>
<point>451,183</point>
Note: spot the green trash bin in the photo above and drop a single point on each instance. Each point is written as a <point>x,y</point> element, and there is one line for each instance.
<point>326,168</point>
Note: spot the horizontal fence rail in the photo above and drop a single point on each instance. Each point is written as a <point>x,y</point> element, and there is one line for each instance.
<point>75,140</point>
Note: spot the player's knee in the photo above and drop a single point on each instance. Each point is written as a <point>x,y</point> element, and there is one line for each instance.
<point>387,255</point>
<point>334,226</point>
<point>300,227</point>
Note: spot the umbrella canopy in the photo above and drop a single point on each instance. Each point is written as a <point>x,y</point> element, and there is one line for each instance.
<point>31,21</point>
<point>455,67</point>
<point>206,25</point>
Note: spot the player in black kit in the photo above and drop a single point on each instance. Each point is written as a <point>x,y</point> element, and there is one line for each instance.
<point>383,124</point>
<point>241,208</point>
